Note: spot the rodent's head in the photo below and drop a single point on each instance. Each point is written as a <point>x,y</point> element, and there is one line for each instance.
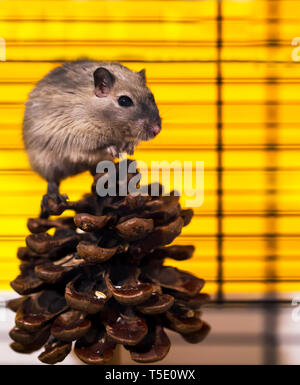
<point>123,101</point>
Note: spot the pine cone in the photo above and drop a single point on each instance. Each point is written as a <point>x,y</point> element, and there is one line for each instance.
<point>100,280</point>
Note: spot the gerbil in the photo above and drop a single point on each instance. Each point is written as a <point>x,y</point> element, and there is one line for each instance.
<point>83,112</point>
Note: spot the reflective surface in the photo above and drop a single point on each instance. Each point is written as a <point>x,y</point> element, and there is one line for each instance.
<point>240,334</point>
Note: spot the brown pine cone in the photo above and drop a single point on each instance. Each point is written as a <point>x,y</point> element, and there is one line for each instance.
<point>100,280</point>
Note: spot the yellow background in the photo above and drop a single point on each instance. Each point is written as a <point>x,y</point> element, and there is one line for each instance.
<point>245,128</point>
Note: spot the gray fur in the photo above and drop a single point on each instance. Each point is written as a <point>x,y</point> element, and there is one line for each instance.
<point>67,129</point>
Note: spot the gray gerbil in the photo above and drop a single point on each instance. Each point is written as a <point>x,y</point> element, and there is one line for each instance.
<point>83,112</point>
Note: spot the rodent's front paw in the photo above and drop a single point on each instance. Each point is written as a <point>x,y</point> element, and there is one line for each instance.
<point>113,151</point>
<point>129,148</point>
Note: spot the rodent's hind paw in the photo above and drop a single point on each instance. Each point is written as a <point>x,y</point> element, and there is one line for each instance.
<point>54,204</point>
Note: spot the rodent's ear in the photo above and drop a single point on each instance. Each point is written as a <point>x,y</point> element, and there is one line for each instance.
<point>104,81</point>
<point>142,74</point>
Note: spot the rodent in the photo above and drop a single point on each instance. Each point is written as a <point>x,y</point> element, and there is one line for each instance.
<point>83,112</point>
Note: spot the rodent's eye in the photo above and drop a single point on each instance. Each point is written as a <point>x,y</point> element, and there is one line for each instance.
<point>125,101</point>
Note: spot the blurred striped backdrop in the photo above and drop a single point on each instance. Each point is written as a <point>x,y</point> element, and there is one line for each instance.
<point>228,92</point>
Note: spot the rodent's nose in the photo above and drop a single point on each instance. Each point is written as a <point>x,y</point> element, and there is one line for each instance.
<point>155,129</point>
